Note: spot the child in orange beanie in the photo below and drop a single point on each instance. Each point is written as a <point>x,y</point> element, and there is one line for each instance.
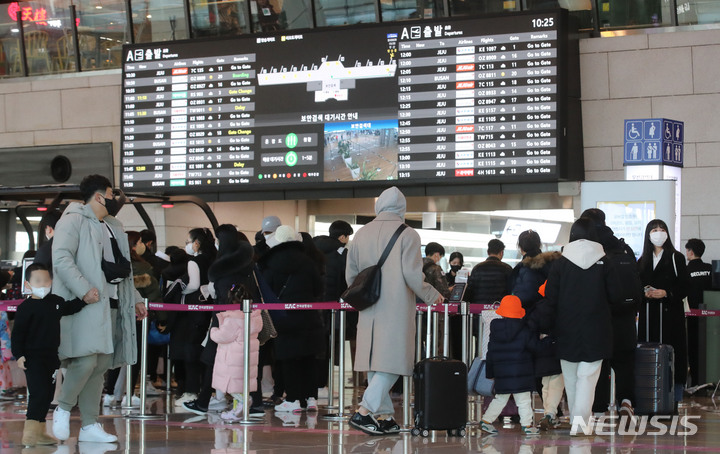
<point>510,364</point>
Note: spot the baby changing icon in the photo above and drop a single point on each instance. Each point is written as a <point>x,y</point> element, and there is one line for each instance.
<point>654,141</point>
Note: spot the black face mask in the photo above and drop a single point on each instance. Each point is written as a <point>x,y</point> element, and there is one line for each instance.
<point>112,206</point>
<point>456,268</point>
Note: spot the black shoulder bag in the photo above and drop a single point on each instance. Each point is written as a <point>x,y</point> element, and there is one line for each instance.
<point>365,289</point>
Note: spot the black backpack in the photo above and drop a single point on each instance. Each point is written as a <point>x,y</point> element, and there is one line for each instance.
<point>627,275</point>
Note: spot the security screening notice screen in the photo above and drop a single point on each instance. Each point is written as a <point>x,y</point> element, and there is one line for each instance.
<point>469,100</point>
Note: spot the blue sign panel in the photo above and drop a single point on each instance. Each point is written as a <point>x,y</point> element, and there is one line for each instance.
<point>654,141</point>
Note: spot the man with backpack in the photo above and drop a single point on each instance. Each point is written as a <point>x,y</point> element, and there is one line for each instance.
<point>620,257</point>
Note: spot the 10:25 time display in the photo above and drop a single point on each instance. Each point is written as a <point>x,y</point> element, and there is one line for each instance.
<point>543,22</point>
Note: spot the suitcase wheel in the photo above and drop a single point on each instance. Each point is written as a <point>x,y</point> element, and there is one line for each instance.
<point>415,431</point>
<point>456,432</point>
<point>425,433</point>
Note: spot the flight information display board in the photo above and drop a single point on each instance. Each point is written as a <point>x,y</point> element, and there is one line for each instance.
<point>458,100</point>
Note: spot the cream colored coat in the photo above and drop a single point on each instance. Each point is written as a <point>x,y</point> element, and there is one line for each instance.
<point>386,330</point>
<point>77,252</point>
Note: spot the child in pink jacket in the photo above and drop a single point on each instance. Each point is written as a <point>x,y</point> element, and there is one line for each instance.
<point>228,370</point>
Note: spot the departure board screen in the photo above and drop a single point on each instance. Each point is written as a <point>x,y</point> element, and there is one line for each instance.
<point>445,101</point>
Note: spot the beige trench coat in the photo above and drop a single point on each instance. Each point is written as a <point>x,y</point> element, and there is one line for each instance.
<point>386,330</point>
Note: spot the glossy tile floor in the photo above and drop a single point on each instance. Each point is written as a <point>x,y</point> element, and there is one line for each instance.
<point>179,433</point>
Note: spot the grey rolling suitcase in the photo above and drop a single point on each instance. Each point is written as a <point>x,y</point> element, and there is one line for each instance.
<point>654,375</point>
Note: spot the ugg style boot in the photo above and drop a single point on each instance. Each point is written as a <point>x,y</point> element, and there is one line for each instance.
<point>43,439</point>
<point>30,432</point>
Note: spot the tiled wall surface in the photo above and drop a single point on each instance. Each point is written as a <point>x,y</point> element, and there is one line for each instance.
<point>663,75</point>
<point>672,75</point>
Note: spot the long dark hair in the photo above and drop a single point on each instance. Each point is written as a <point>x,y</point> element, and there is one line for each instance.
<point>228,239</point>
<point>133,238</point>
<point>583,229</point>
<point>649,248</point>
<point>207,242</point>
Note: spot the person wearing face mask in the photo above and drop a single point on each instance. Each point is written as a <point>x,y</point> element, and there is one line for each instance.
<point>266,232</point>
<point>35,341</point>
<point>664,276</point>
<point>91,260</point>
<point>456,263</point>
<point>188,329</point>
<point>434,275</point>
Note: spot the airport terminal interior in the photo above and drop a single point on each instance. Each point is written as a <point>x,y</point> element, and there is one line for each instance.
<point>494,117</point>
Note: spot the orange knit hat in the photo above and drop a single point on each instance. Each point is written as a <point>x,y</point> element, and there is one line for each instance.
<point>541,290</point>
<point>511,307</point>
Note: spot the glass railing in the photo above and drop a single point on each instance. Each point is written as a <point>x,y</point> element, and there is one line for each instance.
<point>56,36</point>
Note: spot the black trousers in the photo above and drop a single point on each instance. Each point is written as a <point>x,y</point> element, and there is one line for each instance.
<point>41,387</point>
<point>623,363</point>
<point>300,380</point>
<point>693,330</point>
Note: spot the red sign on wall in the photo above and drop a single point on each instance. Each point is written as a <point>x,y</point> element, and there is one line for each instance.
<point>27,13</point>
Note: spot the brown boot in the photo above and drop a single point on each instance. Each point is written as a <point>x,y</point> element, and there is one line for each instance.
<point>43,439</point>
<point>30,431</point>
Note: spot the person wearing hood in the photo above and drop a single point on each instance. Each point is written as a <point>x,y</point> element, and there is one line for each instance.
<point>580,290</point>
<point>510,364</point>
<point>91,261</point>
<point>528,275</point>
<point>386,330</point>
<point>294,278</point>
<point>664,275</point>
<point>623,323</point>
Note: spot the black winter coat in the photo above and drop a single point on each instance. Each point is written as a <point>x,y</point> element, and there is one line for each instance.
<point>529,275</point>
<point>542,321</point>
<point>510,355</point>
<point>699,280</point>
<point>294,278</point>
<point>581,300</point>
<point>489,281</point>
<point>188,329</point>
<point>674,332</point>
<point>335,284</point>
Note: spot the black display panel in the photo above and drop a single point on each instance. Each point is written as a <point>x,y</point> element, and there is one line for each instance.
<point>481,100</point>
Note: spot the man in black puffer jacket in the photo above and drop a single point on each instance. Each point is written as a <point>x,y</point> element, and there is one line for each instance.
<point>489,281</point>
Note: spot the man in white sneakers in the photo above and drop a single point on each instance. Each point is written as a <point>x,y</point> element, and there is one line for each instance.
<point>91,261</point>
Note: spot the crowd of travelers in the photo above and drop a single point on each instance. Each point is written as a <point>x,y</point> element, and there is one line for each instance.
<point>565,316</point>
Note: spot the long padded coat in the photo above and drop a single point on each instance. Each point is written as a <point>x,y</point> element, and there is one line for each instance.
<point>386,330</point>
<point>229,336</point>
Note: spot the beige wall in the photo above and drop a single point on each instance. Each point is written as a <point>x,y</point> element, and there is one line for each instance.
<point>662,75</point>
<point>672,75</point>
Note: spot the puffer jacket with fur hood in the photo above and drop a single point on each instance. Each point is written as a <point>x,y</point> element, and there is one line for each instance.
<point>529,275</point>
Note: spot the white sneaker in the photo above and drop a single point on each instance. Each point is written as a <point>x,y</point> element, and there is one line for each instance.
<point>187,397</point>
<point>311,404</point>
<point>109,400</point>
<point>61,424</point>
<point>134,401</point>
<point>289,407</point>
<point>217,404</point>
<point>150,390</point>
<point>96,434</point>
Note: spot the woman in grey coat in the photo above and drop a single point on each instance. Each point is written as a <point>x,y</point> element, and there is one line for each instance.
<point>386,330</point>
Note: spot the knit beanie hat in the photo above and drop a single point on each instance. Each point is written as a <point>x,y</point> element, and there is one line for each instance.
<point>511,307</point>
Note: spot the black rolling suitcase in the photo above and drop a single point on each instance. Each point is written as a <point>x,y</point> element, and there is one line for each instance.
<point>441,397</point>
<point>654,375</point>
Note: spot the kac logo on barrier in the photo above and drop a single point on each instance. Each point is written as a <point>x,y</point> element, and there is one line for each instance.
<point>638,425</point>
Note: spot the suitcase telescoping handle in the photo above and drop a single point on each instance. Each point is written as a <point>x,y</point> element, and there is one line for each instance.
<point>647,321</point>
<point>446,332</point>
<point>428,331</point>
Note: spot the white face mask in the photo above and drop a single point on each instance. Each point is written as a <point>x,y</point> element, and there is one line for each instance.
<point>41,292</point>
<point>658,238</point>
<point>217,245</point>
<point>189,249</point>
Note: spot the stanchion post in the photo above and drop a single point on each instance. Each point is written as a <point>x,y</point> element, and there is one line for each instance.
<point>340,415</point>
<point>435,333</point>
<point>143,370</point>
<point>247,311</point>
<point>128,388</point>
<point>407,420</point>
<point>331,366</point>
<point>464,320</point>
